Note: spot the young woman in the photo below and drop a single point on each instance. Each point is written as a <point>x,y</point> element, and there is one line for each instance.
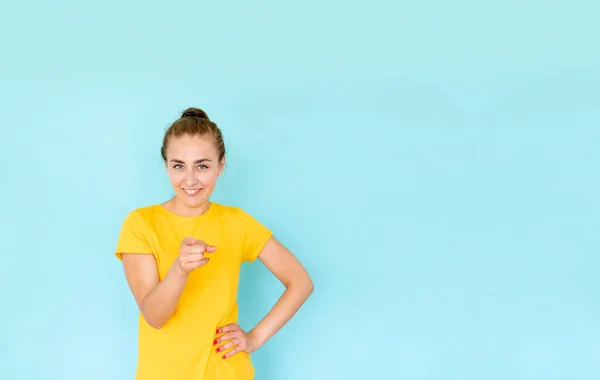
<point>182,262</point>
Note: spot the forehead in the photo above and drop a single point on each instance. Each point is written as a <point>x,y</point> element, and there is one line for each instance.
<point>188,147</point>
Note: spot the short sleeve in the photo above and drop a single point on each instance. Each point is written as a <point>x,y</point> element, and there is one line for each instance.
<point>131,238</point>
<point>256,236</point>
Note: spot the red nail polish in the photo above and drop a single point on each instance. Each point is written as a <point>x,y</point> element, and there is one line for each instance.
<point>215,342</point>
<point>217,331</point>
<point>218,349</point>
<point>223,357</point>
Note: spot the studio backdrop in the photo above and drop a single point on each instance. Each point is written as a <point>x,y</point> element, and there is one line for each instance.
<point>434,165</point>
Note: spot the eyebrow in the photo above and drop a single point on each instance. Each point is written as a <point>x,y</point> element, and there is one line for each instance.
<point>195,162</point>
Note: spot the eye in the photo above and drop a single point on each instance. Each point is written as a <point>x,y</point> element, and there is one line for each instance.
<point>178,166</point>
<point>202,167</point>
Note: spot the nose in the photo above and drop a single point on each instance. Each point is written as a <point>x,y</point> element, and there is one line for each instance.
<point>189,180</point>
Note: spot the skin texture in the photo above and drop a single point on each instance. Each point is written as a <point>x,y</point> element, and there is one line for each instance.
<point>192,164</point>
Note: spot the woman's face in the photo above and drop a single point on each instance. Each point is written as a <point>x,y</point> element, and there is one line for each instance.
<point>193,167</point>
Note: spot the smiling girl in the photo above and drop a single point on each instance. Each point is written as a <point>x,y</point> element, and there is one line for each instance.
<point>182,263</point>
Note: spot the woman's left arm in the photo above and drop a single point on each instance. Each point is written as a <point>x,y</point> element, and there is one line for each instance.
<point>298,287</point>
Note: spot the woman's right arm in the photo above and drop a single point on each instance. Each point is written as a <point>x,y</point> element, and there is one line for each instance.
<point>157,299</point>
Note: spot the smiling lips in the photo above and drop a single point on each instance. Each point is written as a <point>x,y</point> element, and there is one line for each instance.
<point>192,192</point>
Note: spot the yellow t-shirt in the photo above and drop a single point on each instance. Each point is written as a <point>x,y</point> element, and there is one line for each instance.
<point>183,348</point>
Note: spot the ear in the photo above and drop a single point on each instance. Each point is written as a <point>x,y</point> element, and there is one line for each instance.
<point>221,166</point>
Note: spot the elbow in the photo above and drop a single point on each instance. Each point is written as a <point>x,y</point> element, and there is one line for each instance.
<point>157,325</point>
<point>311,287</point>
<point>300,284</point>
<point>305,286</point>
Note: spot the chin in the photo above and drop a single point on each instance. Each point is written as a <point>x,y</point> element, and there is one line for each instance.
<point>191,202</point>
<point>194,203</point>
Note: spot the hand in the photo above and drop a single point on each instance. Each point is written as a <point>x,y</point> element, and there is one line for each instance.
<point>191,254</point>
<point>235,339</point>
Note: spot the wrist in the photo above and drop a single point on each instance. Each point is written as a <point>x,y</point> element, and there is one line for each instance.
<point>257,338</point>
<point>178,271</point>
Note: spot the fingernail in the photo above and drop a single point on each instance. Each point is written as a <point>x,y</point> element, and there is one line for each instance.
<point>217,331</point>
<point>218,349</point>
<point>223,357</point>
<point>215,342</point>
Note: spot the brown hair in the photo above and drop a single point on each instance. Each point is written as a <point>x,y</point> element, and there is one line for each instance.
<point>195,122</point>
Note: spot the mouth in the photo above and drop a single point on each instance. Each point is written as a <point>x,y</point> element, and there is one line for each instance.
<point>191,192</point>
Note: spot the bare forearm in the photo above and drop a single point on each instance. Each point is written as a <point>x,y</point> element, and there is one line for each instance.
<point>160,304</point>
<point>284,309</point>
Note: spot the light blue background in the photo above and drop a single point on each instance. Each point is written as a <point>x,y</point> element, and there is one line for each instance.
<point>433,164</point>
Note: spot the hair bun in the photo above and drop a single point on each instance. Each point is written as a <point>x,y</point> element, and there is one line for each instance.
<point>194,112</point>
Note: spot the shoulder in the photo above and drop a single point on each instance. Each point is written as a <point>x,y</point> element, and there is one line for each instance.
<point>141,215</point>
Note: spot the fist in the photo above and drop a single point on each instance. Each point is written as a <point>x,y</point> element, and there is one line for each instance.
<point>192,254</point>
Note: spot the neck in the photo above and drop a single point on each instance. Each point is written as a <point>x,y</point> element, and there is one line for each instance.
<point>177,207</point>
